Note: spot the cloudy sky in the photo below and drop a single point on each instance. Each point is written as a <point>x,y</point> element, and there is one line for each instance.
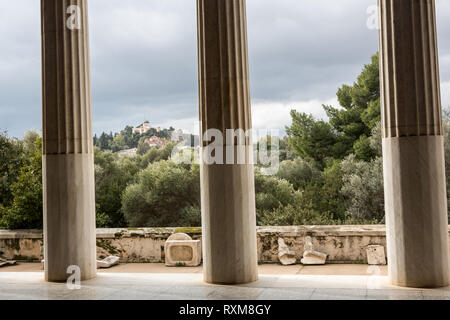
<point>144,59</point>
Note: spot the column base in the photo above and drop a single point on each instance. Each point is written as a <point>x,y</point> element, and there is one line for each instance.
<point>69,216</point>
<point>47,279</point>
<point>416,211</point>
<point>229,224</point>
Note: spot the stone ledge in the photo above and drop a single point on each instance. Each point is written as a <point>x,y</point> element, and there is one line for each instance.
<point>345,243</point>
<point>21,234</point>
<point>344,230</point>
<point>113,233</point>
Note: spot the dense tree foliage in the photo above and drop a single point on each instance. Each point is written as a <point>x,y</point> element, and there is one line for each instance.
<point>299,172</point>
<point>273,193</point>
<point>166,194</point>
<point>359,112</point>
<point>25,209</point>
<point>363,187</point>
<point>311,138</point>
<point>111,178</point>
<point>113,175</point>
<point>11,160</point>
<point>349,126</point>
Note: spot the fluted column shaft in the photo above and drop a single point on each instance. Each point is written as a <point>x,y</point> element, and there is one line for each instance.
<point>68,163</point>
<point>414,172</point>
<point>228,194</point>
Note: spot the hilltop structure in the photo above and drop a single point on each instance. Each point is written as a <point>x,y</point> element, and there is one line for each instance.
<point>143,128</point>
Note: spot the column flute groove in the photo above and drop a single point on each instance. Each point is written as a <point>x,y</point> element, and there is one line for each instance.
<point>406,28</point>
<point>228,195</point>
<point>68,161</point>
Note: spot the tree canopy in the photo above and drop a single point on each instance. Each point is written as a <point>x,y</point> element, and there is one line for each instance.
<point>350,125</point>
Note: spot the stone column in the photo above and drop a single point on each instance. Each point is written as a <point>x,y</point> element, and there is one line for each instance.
<point>227,190</point>
<point>68,163</point>
<point>414,173</point>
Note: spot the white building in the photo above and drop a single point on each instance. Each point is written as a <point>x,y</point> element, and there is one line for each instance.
<point>143,128</point>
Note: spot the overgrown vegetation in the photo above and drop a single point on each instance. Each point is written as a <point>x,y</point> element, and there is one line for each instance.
<point>330,172</point>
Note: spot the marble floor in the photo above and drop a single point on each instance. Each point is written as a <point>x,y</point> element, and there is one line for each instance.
<point>26,283</point>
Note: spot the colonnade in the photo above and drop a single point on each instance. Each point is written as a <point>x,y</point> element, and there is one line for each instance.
<point>416,203</point>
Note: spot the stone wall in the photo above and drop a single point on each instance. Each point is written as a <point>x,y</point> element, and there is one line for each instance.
<point>343,244</point>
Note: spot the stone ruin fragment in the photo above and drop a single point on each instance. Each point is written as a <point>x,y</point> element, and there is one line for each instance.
<point>311,257</point>
<point>285,254</point>
<point>108,262</point>
<point>5,262</point>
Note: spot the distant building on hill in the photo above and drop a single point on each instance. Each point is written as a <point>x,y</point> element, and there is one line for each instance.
<point>143,128</point>
<point>154,141</point>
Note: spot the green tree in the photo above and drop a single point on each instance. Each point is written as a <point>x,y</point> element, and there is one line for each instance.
<point>25,211</point>
<point>156,154</point>
<point>363,149</point>
<point>359,111</point>
<point>312,138</point>
<point>273,193</point>
<point>11,161</point>
<point>142,147</point>
<point>29,142</point>
<point>299,172</point>
<point>363,187</point>
<point>104,142</point>
<point>118,143</point>
<point>111,179</point>
<point>131,139</point>
<point>165,195</point>
<point>349,127</point>
<point>324,196</point>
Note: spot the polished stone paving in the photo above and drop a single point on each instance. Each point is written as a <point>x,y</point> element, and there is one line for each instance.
<point>263,269</point>
<point>189,286</point>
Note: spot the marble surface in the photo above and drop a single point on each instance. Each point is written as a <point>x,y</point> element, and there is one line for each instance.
<point>190,286</point>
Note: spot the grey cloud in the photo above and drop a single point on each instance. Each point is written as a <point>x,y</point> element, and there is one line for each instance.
<point>144,56</point>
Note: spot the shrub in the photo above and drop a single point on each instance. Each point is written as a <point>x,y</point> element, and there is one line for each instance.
<point>363,187</point>
<point>25,211</point>
<point>165,195</point>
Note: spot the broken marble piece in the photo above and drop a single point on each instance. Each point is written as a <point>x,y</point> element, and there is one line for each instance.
<point>5,262</point>
<point>108,262</point>
<point>376,255</point>
<point>285,254</point>
<point>312,257</point>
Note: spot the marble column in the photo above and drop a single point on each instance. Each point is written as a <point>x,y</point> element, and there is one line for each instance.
<point>68,162</point>
<point>413,150</point>
<point>227,190</point>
